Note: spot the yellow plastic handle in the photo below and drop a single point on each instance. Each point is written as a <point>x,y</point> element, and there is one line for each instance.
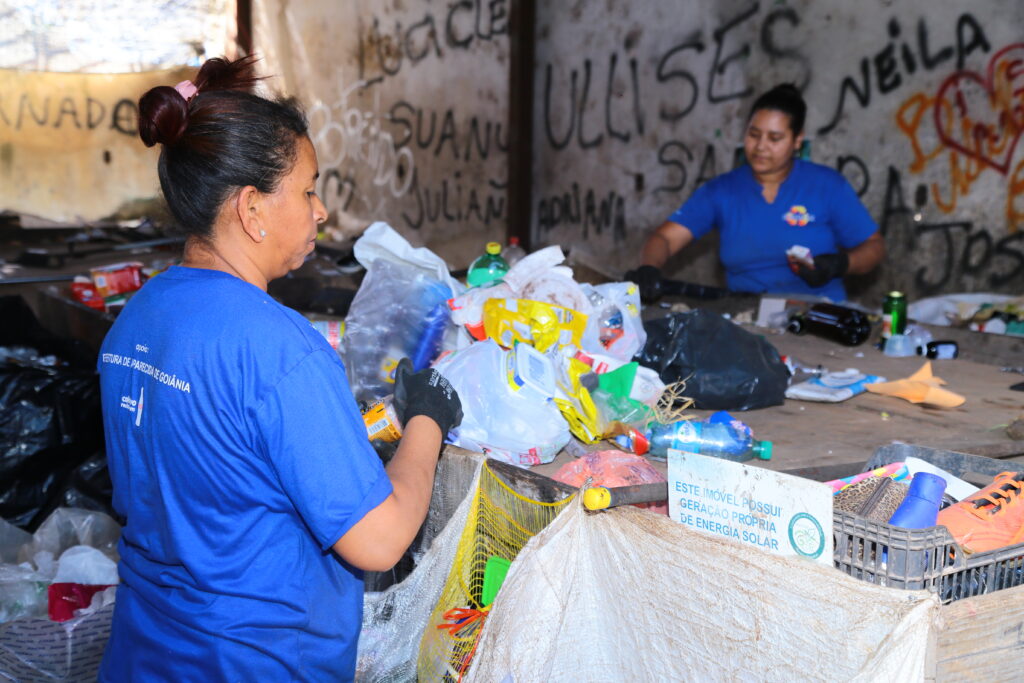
<point>597,498</point>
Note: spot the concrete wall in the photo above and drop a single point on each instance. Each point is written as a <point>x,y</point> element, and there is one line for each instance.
<point>407,103</point>
<point>638,103</point>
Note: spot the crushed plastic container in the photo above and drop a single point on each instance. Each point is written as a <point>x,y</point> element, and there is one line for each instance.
<point>530,373</point>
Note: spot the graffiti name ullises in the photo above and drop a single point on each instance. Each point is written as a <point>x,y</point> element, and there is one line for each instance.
<point>622,116</point>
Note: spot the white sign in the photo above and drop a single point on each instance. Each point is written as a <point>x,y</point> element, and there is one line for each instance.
<point>780,513</point>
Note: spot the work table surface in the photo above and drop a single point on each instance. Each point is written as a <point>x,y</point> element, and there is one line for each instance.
<point>808,434</point>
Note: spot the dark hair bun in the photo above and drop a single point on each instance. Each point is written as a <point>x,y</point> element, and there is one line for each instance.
<point>163,112</point>
<point>220,74</point>
<point>163,116</point>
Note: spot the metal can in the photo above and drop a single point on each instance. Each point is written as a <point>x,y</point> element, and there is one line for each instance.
<point>894,314</point>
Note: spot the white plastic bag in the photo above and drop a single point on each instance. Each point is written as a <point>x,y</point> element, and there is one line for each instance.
<point>381,241</point>
<point>33,648</point>
<point>538,277</point>
<point>506,424</point>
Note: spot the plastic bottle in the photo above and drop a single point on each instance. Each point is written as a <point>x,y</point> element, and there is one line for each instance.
<point>513,253</point>
<point>487,268</point>
<point>718,439</point>
<point>611,327</point>
<point>920,509</point>
<point>332,330</point>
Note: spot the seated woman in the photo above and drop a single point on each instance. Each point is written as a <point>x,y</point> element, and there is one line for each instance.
<point>768,205</point>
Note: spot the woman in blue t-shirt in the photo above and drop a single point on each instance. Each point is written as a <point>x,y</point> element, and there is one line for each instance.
<point>239,459</point>
<point>768,206</point>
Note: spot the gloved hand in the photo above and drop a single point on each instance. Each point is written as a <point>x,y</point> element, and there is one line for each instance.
<point>648,279</point>
<point>426,392</point>
<point>827,267</point>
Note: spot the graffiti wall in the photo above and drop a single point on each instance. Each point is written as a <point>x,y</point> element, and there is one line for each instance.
<point>69,145</point>
<point>407,104</point>
<point>919,104</point>
<point>71,73</point>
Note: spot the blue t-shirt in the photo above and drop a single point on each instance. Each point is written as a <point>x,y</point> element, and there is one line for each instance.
<point>238,458</point>
<point>815,207</point>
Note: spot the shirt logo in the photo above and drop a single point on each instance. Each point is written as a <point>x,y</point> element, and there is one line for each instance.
<point>798,215</point>
<point>138,412</point>
<point>134,406</point>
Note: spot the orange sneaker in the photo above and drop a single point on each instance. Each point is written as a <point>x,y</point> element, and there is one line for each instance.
<point>991,518</point>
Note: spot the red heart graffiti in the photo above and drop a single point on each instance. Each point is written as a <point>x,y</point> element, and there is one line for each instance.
<point>1002,102</point>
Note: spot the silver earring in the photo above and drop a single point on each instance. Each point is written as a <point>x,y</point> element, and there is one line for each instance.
<point>263,233</point>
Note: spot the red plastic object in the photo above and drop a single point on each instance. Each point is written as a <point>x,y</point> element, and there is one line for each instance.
<point>64,598</point>
<point>613,468</point>
<point>85,292</point>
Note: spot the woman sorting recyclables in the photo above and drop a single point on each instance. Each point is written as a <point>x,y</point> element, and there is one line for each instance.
<point>252,496</point>
<point>766,207</point>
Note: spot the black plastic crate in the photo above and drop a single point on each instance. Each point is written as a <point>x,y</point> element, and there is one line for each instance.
<point>926,559</point>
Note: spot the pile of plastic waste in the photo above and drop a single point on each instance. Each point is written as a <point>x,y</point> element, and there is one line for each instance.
<point>56,595</point>
<point>537,357</point>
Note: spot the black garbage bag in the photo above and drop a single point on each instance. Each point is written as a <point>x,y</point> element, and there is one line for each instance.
<point>725,367</point>
<point>50,421</point>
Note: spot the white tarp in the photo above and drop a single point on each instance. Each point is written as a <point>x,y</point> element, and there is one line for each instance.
<point>627,595</point>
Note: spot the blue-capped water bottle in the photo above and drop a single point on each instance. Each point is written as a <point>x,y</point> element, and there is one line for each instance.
<point>729,441</point>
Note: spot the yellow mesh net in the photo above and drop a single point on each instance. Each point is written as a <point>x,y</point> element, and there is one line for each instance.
<point>500,523</point>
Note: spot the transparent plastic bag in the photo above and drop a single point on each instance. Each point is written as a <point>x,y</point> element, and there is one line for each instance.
<point>506,424</point>
<point>31,564</point>
<point>614,327</point>
<point>398,311</point>
<point>33,647</point>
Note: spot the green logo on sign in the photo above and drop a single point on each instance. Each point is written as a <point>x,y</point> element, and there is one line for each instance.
<point>806,536</point>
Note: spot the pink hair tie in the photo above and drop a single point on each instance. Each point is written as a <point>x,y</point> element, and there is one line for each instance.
<point>187,90</point>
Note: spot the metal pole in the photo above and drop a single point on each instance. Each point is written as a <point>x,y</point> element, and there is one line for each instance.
<point>522,21</point>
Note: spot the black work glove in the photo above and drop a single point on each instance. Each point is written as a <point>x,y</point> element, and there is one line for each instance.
<point>827,267</point>
<point>426,392</point>
<point>648,279</point>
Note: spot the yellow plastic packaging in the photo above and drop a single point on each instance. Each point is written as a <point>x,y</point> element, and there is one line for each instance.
<point>382,422</point>
<point>539,324</point>
<point>578,409</point>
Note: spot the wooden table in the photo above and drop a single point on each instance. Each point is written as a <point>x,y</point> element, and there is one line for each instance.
<point>807,434</point>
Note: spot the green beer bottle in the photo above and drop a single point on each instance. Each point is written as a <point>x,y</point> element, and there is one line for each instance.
<point>894,314</point>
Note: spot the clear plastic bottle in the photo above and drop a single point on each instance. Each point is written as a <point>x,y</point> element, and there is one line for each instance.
<point>513,253</point>
<point>718,439</point>
<point>488,268</point>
